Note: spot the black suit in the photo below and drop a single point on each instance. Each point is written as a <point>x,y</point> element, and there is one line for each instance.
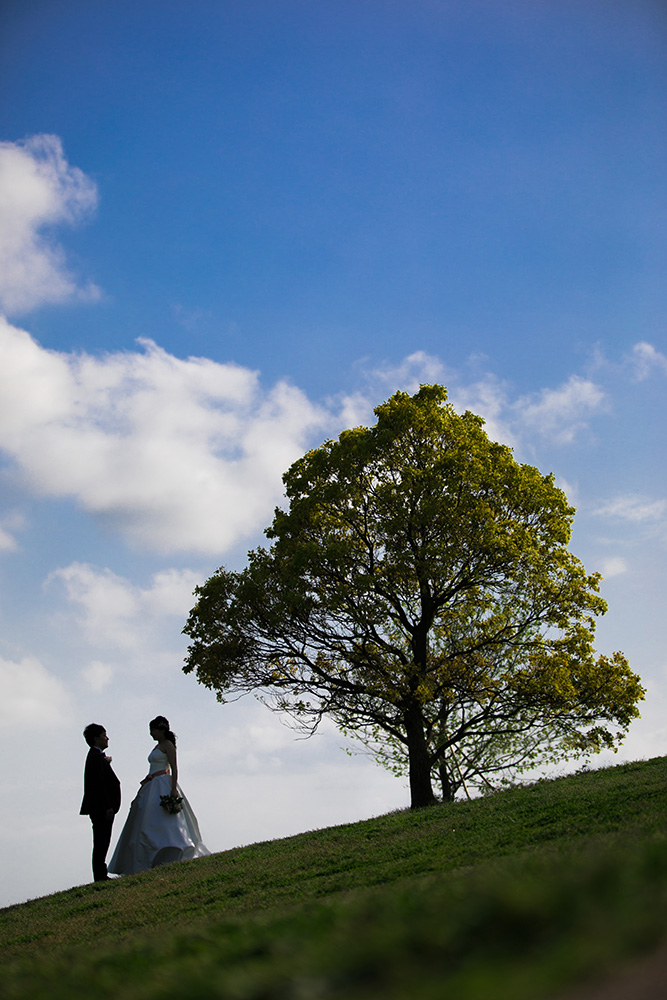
<point>101,792</point>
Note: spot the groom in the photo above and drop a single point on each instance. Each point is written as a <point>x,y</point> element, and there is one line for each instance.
<point>101,796</point>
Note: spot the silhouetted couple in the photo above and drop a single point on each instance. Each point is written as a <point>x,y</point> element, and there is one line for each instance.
<point>161,826</point>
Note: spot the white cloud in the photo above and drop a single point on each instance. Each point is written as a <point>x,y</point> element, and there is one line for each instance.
<point>633,507</point>
<point>98,675</point>
<point>571,490</point>
<point>38,188</point>
<point>560,414</point>
<point>30,697</point>
<point>557,415</point>
<point>114,613</point>
<point>613,566</point>
<point>178,454</point>
<point>646,359</point>
<point>418,368</point>
<point>488,397</point>
<point>7,541</point>
<point>356,409</point>
<point>188,454</point>
<point>10,524</point>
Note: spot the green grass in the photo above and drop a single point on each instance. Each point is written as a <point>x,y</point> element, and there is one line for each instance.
<point>511,897</point>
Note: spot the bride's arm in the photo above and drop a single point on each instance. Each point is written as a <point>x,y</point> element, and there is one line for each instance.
<point>170,751</point>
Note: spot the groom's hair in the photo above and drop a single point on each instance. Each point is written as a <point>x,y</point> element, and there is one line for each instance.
<point>91,731</point>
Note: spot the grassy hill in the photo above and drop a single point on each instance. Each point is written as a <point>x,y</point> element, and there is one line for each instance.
<point>518,895</point>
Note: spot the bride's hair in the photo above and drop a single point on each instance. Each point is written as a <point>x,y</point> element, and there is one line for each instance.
<point>159,722</point>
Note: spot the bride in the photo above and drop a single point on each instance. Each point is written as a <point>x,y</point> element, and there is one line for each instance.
<point>160,827</point>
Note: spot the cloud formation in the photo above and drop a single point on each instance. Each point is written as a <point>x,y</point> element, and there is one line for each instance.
<point>613,566</point>
<point>39,189</point>
<point>180,455</point>
<point>11,523</point>
<point>646,359</point>
<point>97,675</point>
<point>560,414</point>
<point>633,507</point>
<point>115,614</point>
<point>187,455</point>
<point>30,696</point>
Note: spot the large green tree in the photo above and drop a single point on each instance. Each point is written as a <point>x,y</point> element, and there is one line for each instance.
<point>420,592</point>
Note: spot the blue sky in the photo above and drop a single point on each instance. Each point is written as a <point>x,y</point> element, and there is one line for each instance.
<point>227,231</point>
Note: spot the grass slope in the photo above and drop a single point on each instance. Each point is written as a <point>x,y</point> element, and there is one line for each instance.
<point>513,896</point>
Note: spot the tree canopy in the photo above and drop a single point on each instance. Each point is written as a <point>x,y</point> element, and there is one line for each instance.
<point>419,591</point>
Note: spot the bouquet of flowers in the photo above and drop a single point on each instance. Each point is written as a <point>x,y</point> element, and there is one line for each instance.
<point>171,803</point>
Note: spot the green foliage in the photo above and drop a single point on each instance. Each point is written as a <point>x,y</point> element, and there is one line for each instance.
<point>420,592</point>
<point>511,897</point>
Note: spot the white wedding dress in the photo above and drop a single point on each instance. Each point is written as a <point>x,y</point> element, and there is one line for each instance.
<point>151,836</point>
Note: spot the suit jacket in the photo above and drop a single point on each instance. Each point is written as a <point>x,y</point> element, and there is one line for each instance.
<point>101,787</point>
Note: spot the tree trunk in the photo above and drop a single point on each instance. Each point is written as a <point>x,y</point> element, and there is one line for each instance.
<point>421,791</point>
<point>448,787</point>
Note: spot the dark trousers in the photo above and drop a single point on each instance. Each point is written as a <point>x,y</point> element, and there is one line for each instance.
<point>101,840</point>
